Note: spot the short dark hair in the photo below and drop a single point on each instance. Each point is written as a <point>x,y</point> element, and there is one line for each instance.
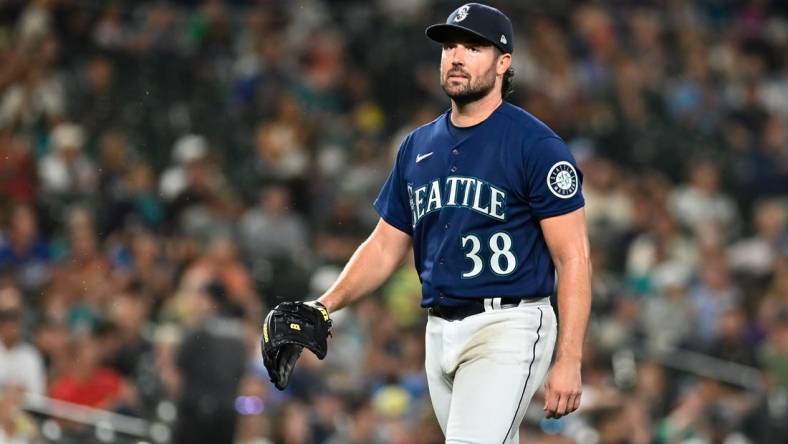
<point>506,85</point>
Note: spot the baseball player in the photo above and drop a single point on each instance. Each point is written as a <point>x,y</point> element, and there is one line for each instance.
<point>490,200</point>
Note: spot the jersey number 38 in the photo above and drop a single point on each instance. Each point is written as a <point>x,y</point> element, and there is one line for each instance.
<point>502,261</point>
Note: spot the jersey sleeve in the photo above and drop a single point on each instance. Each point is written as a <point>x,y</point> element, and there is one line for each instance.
<point>553,180</point>
<point>392,203</point>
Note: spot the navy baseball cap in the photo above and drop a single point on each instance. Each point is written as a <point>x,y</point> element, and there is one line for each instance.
<point>479,20</point>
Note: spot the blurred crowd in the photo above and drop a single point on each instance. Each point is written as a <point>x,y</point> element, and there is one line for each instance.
<point>171,170</point>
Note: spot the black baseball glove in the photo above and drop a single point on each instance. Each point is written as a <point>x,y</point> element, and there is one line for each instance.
<point>288,328</point>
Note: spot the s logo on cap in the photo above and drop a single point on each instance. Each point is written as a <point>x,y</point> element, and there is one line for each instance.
<point>462,13</point>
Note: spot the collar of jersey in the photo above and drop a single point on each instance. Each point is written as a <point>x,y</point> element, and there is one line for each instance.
<point>468,134</point>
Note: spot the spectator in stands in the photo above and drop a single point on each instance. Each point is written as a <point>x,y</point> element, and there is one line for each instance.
<point>280,145</point>
<point>18,181</point>
<point>149,272</point>
<point>254,427</point>
<point>272,229</point>
<point>775,302</point>
<point>207,206</point>
<point>145,203</point>
<point>775,358</point>
<point>20,363</point>
<point>110,31</point>
<point>211,361</point>
<point>127,316</point>
<point>158,380</point>
<point>67,174</point>
<point>51,339</point>
<point>86,381</point>
<point>701,202</point>
<point>85,272</point>
<point>715,294</point>
<point>115,161</point>
<point>731,342</point>
<point>188,149</point>
<point>361,427</point>
<point>755,256</point>
<point>609,209</point>
<point>667,315</point>
<point>24,252</point>
<point>775,350</point>
<point>96,96</point>
<point>663,245</point>
<point>39,97</point>
<point>292,424</point>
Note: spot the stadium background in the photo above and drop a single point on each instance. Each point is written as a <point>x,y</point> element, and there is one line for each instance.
<point>164,163</point>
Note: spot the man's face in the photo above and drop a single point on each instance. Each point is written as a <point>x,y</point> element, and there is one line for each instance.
<point>467,69</point>
<point>10,325</point>
<point>10,316</point>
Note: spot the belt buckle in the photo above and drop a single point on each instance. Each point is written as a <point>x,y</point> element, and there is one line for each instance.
<point>500,303</point>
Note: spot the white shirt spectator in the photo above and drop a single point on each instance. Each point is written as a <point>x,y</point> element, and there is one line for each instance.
<point>24,103</point>
<point>22,365</point>
<point>700,203</point>
<point>188,148</point>
<point>265,234</point>
<point>696,209</point>
<point>67,170</point>
<point>756,255</point>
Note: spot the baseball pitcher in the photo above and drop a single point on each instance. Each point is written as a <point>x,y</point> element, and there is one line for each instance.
<point>490,200</point>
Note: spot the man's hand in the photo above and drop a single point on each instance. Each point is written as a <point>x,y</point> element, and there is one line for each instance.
<point>563,388</point>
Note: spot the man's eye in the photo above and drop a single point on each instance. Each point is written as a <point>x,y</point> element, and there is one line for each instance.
<point>473,49</point>
<point>448,45</point>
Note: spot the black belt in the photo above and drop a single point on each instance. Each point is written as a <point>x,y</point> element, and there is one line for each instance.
<point>470,308</point>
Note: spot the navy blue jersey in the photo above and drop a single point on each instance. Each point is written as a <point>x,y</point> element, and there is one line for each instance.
<point>472,198</point>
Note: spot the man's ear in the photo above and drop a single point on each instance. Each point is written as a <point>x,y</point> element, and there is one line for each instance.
<point>504,63</point>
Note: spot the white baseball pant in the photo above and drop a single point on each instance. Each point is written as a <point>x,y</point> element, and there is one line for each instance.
<point>483,370</point>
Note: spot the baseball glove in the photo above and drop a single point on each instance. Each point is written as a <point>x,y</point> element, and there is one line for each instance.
<point>288,328</point>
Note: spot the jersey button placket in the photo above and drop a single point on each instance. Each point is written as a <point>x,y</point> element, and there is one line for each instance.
<point>455,152</point>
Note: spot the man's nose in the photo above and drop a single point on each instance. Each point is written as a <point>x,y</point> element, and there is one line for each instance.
<point>457,56</point>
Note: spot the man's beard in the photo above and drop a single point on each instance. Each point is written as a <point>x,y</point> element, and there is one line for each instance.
<point>471,91</point>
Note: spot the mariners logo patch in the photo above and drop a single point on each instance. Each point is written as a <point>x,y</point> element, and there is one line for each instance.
<point>562,180</point>
<point>462,13</point>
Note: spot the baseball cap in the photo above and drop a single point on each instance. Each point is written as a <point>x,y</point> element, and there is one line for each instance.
<point>479,20</point>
